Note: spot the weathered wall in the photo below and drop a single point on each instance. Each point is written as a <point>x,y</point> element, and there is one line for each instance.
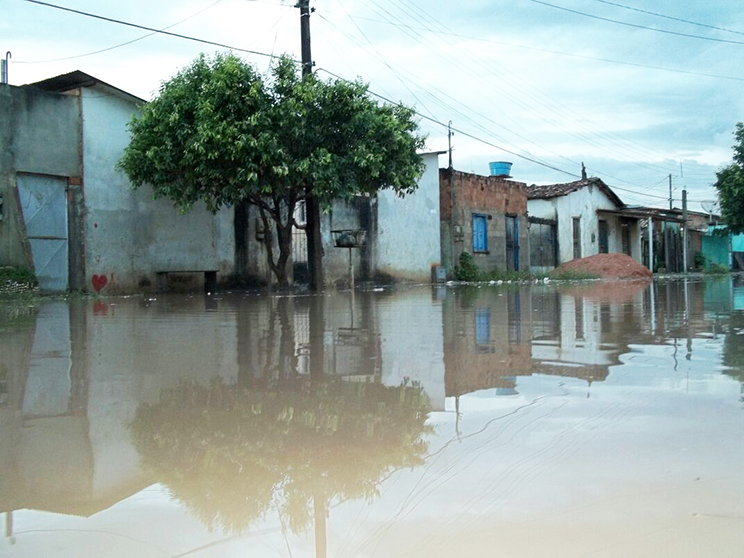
<point>584,203</point>
<point>129,236</point>
<point>408,238</point>
<point>488,195</point>
<point>346,214</point>
<point>39,132</point>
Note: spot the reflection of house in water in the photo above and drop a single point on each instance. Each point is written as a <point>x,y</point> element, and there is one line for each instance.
<point>486,338</point>
<point>75,375</point>
<point>492,337</point>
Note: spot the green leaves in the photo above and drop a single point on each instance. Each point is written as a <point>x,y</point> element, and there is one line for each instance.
<point>218,133</point>
<point>730,186</point>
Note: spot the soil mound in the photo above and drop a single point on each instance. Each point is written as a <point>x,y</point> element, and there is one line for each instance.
<point>607,266</point>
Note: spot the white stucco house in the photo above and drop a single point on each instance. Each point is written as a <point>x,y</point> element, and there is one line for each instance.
<point>579,219</point>
<point>72,217</point>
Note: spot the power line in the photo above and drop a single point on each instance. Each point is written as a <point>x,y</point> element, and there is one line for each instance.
<point>431,119</point>
<point>120,44</point>
<point>137,26</point>
<point>461,132</point>
<point>669,17</point>
<point>665,31</point>
<point>549,51</point>
<point>553,106</point>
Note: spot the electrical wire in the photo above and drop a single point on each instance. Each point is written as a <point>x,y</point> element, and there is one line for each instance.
<point>490,144</point>
<point>612,140</point>
<point>627,24</point>
<point>137,26</point>
<point>630,147</point>
<point>669,17</point>
<point>549,51</point>
<point>426,117</point>
<point>120,44</point>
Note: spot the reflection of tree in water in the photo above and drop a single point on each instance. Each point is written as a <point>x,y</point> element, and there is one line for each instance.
<point>230,452</point>
<point>733,348</point>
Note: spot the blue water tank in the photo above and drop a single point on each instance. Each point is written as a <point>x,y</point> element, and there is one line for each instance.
<point>500,168</point>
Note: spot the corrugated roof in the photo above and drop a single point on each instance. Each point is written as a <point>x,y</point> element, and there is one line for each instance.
<point>535,192</point>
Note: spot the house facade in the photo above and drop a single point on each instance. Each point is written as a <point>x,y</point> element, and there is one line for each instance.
<point>71,216</point>
<point>485,216</point>
<point>585,217</point>
<point>401,236</point>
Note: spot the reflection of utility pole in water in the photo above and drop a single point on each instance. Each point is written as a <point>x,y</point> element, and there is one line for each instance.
<point>652,303</point>
<point>317,337</point>
<point>321,543</point>
<point>9,527</point>
<point>688,356</point>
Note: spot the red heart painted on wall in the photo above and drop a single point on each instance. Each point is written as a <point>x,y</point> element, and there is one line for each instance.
<point>99,281</point>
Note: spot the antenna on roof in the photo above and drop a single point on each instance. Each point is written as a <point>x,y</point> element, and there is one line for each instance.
<point>711,207</point>
<point>583,171</point>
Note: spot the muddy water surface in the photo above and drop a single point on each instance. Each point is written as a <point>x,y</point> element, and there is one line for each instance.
<point>601,420</point>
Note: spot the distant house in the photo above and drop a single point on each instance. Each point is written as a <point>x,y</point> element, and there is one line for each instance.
<point>69,215</point>
<point>579,219</point>
<point>485,216</point>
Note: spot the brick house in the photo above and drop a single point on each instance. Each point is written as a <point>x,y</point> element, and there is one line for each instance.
<point>485,216</point>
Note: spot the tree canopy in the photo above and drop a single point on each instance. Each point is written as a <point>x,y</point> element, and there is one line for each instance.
<point>219,133</point>
<point>730,186</point>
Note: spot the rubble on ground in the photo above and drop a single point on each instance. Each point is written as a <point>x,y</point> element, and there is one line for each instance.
<point>606,266</point>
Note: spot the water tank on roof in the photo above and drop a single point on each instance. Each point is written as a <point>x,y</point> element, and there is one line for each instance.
<point>500,168</point>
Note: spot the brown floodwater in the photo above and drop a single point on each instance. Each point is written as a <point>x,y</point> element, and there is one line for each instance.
<point>599,420</point>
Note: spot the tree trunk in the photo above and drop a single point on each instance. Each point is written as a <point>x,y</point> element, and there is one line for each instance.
<point>284,237</point>
<point>314,244</point>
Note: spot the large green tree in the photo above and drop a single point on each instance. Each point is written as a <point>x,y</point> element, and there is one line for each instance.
<point>730,186</point>
<point>219,133</point>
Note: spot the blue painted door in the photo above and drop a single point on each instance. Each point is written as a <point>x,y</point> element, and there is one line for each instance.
<point>480,233</point>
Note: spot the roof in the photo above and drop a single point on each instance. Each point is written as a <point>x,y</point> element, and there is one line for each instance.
<point>76,79</point>
<point>547,191</point>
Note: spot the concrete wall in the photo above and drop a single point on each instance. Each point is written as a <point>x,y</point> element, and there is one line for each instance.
<point>128,235</point>
<point>584,203</point>
<point>356,213</point>
<point>408,237</point>
<point>403,239</point>
<point>488,195</point>
<point>39,133</point>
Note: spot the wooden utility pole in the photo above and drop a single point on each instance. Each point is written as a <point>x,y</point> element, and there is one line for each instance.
<point>684,224</point>
<point>449,141</point>
<point>670,192</point>
<point>312,205</point>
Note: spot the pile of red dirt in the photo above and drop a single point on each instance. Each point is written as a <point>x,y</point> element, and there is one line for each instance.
<point>607,266</point>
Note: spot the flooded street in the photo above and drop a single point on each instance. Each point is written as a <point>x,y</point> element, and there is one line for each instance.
<point>598,420</point>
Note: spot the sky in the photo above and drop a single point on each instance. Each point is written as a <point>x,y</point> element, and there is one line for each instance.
<point>637,90</point>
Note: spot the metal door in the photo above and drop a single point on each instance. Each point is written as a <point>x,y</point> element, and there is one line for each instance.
<point>512,243</point>
<point>44,207</point>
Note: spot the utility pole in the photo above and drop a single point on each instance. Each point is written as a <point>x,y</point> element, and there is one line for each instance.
<point>449,141</point>
<point>312,205</point>
<point>670,191</point>
<point>684,224</point>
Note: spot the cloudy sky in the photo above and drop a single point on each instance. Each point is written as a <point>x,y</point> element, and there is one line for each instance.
<point>635,89</point>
